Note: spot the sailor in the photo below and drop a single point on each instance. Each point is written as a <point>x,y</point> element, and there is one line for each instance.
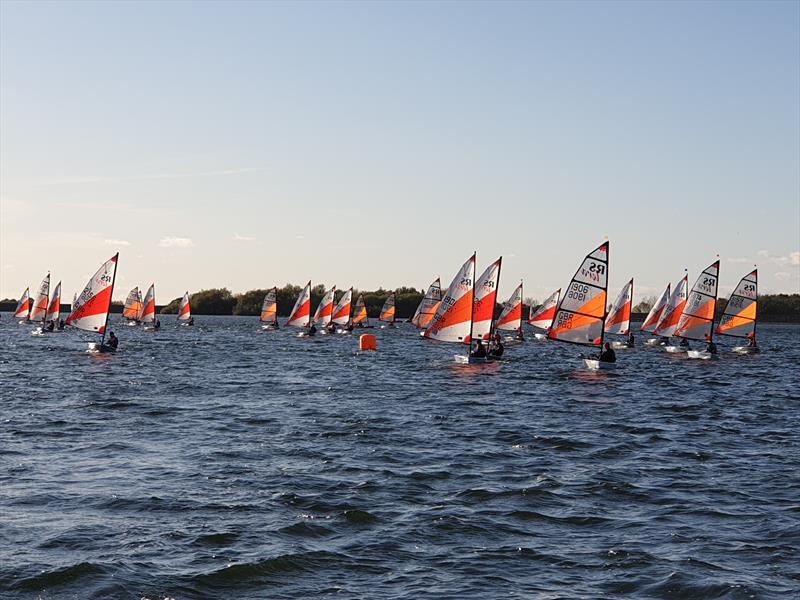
<point>480,351</point>
<point>684,343</point>
<point>497,350</point>
<point>349,326</point>
<point>629,342</point>
<point>751,341</point>
<point>607,355</point>
<point>190,321</point>
<point>61,324</point>
<point>157,324</point>
<point>520,335</point>
<point>331,327</point>
<point>712,347</point>
<point>51,325</point>
<point>113,341</point>
<point>312,330</point>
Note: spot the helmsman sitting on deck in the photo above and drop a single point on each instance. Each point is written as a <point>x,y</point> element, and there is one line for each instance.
<point>480,351</point>
<point>112,341</point>
<point>607,355</point>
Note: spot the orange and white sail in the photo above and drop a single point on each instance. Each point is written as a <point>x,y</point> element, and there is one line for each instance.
<point>739,317</point>
<point>510,318</point>
<point>269,308</point>
<point>581,314</point>
<point>149,305</point>
<point>90,310</point>
<point>185,308</point>
<point>428,305</point>
<point>672,313</point>
<point>54,308</point>
<point>301,313</point>
<point>697,318</point>
<point>341,313</point>
<point>24,305</point>
<point>453,318</point>
<point>324,312</point>
<point>41,300</point>
<point>543,316</point>
<point>360,311</point>
<point>485,300</point>
<point>388,309</point>
<point>133,305</point>
<point>618,320</point>
<point>654,316</point>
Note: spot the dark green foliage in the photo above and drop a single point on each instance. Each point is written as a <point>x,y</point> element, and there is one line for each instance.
<point>206,302</point>
<point>172,307</point>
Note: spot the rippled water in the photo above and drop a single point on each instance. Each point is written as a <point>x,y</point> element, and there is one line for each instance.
<point>224,462</point>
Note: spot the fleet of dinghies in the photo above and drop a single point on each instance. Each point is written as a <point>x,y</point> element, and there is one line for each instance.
<point>464,314</point>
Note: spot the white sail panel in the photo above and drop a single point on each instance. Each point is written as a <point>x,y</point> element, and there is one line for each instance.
<point>672,313</point>
<point>41,300</point>
<point>618,320</point>
<point>485,301</point>
<point>301,313</point>
<point>341,314</point>
<point>90,309</point>
<point>543,316</point>
<point>453,318</point>
<point>697,319</point>
<point>739,317</point>
<point>427,306</point>
<point>54,309</point>
<point>185,308</point>
<point>510,318</point>
<point>654,316</point>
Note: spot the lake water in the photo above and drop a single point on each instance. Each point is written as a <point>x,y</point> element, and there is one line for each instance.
<point>224,462</point>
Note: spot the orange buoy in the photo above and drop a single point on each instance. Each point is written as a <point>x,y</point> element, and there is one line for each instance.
<point>367,341</point>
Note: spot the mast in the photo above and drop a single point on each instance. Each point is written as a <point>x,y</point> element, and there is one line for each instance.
<point>472,310</point>
<point>494,304</point>
<point>630,319</point>
<point>605,303</point>
<point>714,314</point>
<point>111,296</point>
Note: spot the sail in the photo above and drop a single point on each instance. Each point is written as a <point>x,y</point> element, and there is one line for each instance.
<point>697,318</point>
<point>669,318</point>
<point>90,310</point>
<point>301,313</point>
<point>581,313</point>
<point>54,309</point>
<point>325,309</point>
<point>388,310</point>
<point>24,305</point>
<point>485,301</point>
<point>140,306</point>
<point>510,318</point>
<point>428,304</point>
<point>185,309</point>
<point>542,317</point>
<point>739,317</point>
<point>41,300</point>
<point>149,305</point>
<point>269,308</point>
<point>618,320</point>
<point>133,305</point>
<point>360,311</point>
<point>341,314</point>
<point>453,318</point>
<point>654,316</point>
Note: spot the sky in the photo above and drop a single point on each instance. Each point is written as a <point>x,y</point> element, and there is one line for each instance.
<point>371,144</point>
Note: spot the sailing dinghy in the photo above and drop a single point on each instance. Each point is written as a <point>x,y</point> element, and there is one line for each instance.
<point>360,317</point>
<point>40,304</point>
<point>510,318</point>
<point>133,307</point>
<point>269,310</point>
<point>618,321</point>
<point>90,310</point>
<point>301,312</point>
<point>148,318</point>
<point>581,313</point>
<point>341,312</point>
<point>484,302</point>
<point>542,317</point>
<point>324,312</point>
<point>185,311</point>
<point>740,314</point>
<point>54,309</point>
<point>672,313</point>
<point>388,311</point>
<point>23,310</point>
<point>654,316</point>
<point>697,319</point>
<point>428,305</point>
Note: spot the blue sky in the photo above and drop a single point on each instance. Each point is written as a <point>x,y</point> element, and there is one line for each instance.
<point>378,144</point>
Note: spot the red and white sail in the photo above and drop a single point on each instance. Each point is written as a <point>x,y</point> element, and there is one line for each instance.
<point>324,312</point>
<point>428,305</point>
<point>341,313</point>
<point>54,308</point>
<point>90,310</point>
<point>185,308</point>
<point>618,320</point>
<point>580,316</point>
<point>301,313</point>
<point>510,318</point>
<point>24,305</point>
<point>388,309</point>
<point>654,316</point>
<point>149,305</point>
<point>672,313</point>
<point>133,305</point>
<point>739,316</point>
<point>485,300</point>
<point>41,300</point>
<point>453,318</point>
<point>269,308</point>
<point>697,318</point>
<point>543,316</point>
<point>360,311</point>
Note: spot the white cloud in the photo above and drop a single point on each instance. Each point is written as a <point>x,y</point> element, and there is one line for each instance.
<point>299,237</point>
<point>8,266</point>
<point>783,276</point>
<point>243,238</point>
<point>792,259</point>
<point>175,242</point>
<point>741,260</point>
<point>117,242</point>
<point>100,179</point>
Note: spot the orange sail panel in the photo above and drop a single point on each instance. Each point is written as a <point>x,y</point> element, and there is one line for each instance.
<point>672,313</point>
<point>654,316</point>
<point>510,318</point>
<point>269,308</point>
<point>453,318</point>
<point>388,310</point>
<point>428,305</point>
<point>90,310</point>
<point>301,313</point>
<point>24,305</point>
<point>697,318</point>
<point>618,320</point>
<point>739,317</point>
<point>485,301</point>
<point>542,317</point>
<point>581,313</point>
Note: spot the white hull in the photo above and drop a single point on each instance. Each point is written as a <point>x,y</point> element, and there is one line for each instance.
<point>700,354</point>
<point>675,349</point>
<point>269,327</point>
<point>132,323</point>
<point>149,328</point>
<point>462,359</point>
<point>542,337</point>
<point>617,345</point>
<point>746,349</point>
<point>652,342</point>
<point>37,331</point>
<point>97,348</point>
<point>595,365</point>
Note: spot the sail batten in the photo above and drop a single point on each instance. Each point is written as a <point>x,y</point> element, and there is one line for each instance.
<point>741,312</point>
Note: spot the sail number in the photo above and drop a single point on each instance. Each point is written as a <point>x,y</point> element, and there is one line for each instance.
<point>564,321</point>
<point>594,271</point>
<point>578,292</point>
